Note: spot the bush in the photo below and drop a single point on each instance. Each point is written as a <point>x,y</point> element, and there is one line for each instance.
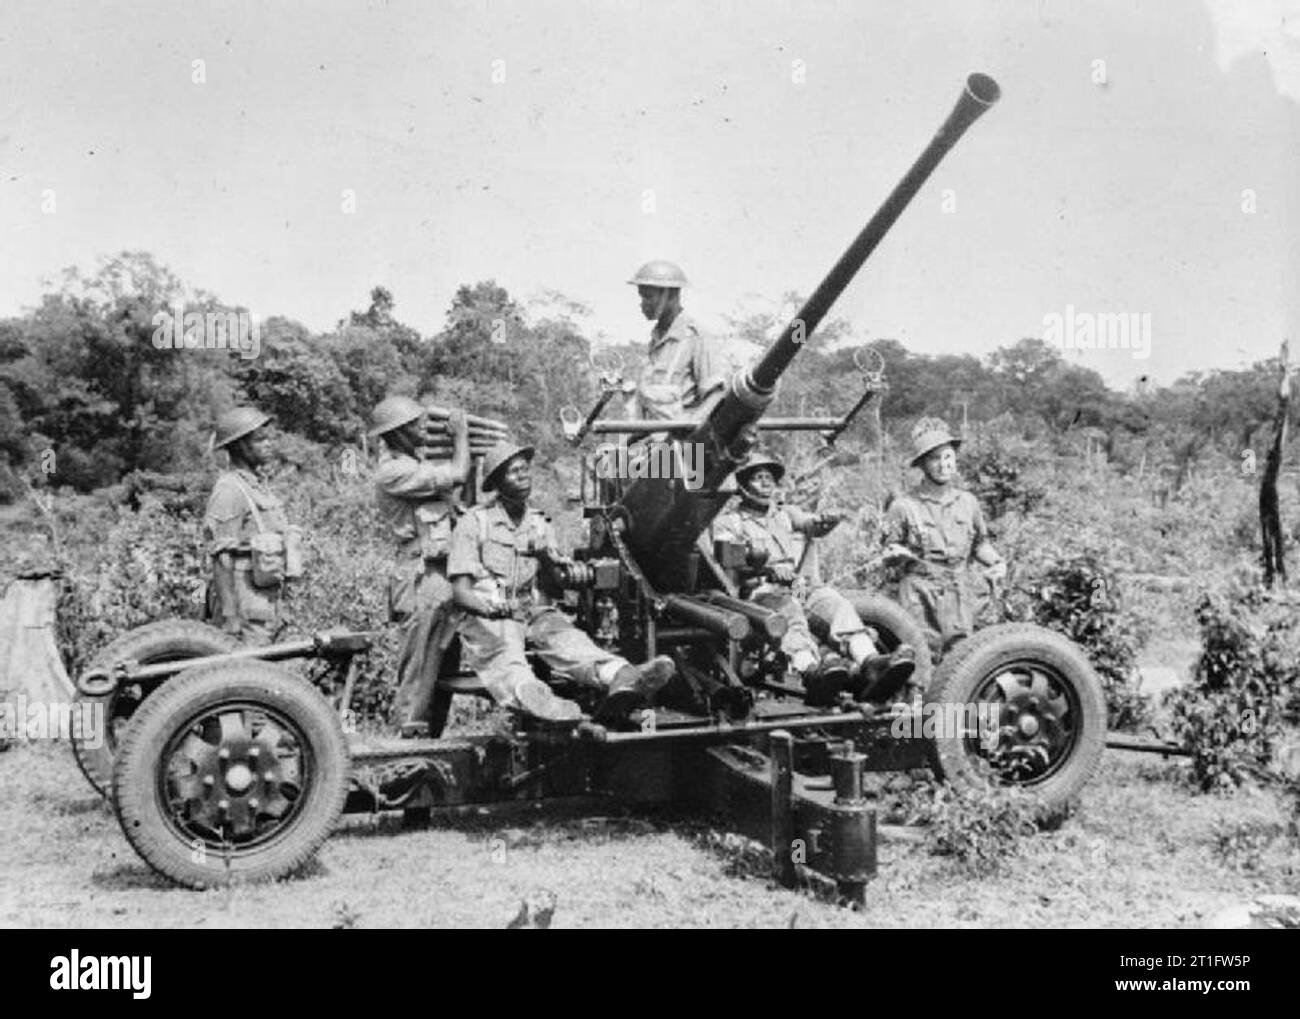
<point>149,565</point>
<point>1000,478</point>
<point>1232,716</point>
<point>981,829</point>
<point>1080,599</point>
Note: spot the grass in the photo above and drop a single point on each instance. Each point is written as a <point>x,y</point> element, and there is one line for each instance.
<point>1143,851</point>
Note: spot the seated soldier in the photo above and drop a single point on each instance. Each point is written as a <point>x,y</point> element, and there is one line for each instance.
<point>934,533</point>
<point>781,534</point>
<point>500,556</point>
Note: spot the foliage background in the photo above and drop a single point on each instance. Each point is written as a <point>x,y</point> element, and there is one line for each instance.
<point>1090,492</point>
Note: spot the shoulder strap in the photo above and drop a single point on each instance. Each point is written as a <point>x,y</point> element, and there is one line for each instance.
<point>248,494</point>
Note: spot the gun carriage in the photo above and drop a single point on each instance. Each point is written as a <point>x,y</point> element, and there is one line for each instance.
<point>231,767</point>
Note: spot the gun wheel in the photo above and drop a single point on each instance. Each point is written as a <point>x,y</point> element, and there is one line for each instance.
<point>233,771</point>
<point>1030,710</point>
<point>169,640</point>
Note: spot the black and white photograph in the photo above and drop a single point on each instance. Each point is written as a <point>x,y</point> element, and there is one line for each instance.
<point>613,464</point>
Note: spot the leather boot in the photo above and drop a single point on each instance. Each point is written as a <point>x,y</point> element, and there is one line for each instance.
<point>633,687</point>
<point>539,701</point>
<point>880,677</point>
<point>824,681</point>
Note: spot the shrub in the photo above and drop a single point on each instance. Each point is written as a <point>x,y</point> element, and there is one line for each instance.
<point>1080,598</point>
<point>1231,717</point>
<point>149,565</point>
<point>1000,478</point>
<point>980,829</point>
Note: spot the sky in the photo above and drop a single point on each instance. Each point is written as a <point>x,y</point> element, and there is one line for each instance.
<point>1143,159</point>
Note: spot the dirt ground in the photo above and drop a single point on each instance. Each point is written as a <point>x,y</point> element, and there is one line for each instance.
<point>1140,853</point>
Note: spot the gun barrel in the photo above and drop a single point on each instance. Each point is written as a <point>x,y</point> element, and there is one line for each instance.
<point>981,92</point>
<point>666,517</point>
<point>682,426</point>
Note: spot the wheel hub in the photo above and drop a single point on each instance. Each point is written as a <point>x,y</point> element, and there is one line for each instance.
<point>234,776</point>
<point>1036,727</point>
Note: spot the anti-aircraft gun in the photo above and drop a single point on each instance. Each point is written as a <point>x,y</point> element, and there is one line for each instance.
<point>234,768</point>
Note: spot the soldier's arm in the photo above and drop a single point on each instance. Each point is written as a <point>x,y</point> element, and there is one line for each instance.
<point>894,535</point>
<point>222,532</point>
<point>420,479</point>
<point>223,579</point>
<point>982,550</point>
<point>465,597</point>
<point>726,527</point>
<point>710,379</point>
<point>465,566</point>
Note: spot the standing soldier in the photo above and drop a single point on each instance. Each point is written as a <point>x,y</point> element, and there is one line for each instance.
<point>681,378</point>
<point>253,548</point>
<point>935,532</point>
<point>417,507</point>
<point>502,565</point>
<point>780,534</point>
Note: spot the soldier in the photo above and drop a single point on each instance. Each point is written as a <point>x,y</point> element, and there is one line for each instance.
<point>782,534</point>
<point>253,548</point>
<point>934,532</point>
<point>502,556</point>
<point>417,507</point>
<point>681,378</point>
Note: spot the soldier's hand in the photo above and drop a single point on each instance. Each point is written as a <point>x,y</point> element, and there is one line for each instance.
<point>556,558</point>
<point>899,553</point>
<point>825,523</point>
<point>783,573</point>
<point>457,422</point>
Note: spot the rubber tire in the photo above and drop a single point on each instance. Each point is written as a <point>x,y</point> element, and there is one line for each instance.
<point>896,627</point>
<point>135,781</point>
<point>968,666</point>
<point>167,640</point>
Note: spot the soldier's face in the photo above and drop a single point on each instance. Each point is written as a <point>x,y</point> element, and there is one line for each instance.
<point>516,483</point>
<point>762,483</point>
<point>652,301</point>
<point>256,447</point>
<point>940,465</point>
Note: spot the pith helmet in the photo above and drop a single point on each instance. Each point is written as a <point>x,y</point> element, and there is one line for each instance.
<point>929,434</point>
<point>757,460</point>
<point>497,458</point>
<point>660,274</point>
<point>235,424</point>
<point>393,412</point>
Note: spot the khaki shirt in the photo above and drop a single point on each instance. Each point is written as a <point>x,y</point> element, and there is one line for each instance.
<point>415,504</point>
<point>491,548</point>
<point>230,522</point>
<point>781,531</point>
<point>679,374</point>
<point>939,524</point>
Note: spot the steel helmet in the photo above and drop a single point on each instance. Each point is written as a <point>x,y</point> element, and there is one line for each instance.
<point>393,412</point>
<point>497,458</point>
<point>660,274</point>
<point>235,424</point>
<point>757,460</point>
<point>929,434</point>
